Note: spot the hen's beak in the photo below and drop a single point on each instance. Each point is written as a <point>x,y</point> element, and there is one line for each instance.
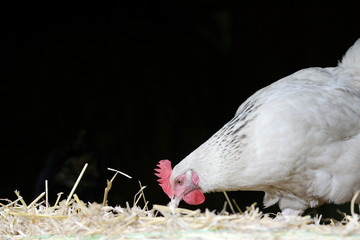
<point>175,200</point>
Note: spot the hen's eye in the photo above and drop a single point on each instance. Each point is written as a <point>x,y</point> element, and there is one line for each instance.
<point>179,181</point>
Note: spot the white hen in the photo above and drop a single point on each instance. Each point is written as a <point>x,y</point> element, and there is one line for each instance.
<point>298,140</point>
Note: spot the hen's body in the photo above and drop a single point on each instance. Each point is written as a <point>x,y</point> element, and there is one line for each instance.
<point>298,140</point>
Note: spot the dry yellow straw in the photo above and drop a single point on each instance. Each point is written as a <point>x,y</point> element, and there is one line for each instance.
<point>36,200</point>
<point>75,185</point>
<point>46,195</point>
<point>108,187</point>
<point>58,198</point>
<point>142,192</point>
<point>228,200</point>
<point>78,218</point>
<point>20,198</point>
<point>124,174</point>
<point>237,206</point>
<point>80,203</point>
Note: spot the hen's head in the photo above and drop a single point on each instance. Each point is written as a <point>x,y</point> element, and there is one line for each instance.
<point>177,186</point>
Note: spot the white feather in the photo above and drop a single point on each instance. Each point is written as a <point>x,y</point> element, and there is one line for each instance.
<point>298,140</point>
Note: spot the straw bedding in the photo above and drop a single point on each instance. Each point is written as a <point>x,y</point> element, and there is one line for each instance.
<point>74,219</point>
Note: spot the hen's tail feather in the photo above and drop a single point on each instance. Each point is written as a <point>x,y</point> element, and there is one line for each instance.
<point>351,58</point>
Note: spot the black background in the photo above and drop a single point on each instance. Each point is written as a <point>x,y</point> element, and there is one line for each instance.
<point>126,84</point>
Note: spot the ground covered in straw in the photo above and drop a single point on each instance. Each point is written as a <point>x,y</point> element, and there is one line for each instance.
<point>74,219</point>
<point>77,220</point>
<point>95,221</point>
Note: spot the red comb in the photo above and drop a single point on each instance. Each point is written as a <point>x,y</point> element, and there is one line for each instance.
<point>164,172</point>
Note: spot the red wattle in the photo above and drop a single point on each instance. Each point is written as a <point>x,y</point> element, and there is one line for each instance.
<point>194,197</point>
